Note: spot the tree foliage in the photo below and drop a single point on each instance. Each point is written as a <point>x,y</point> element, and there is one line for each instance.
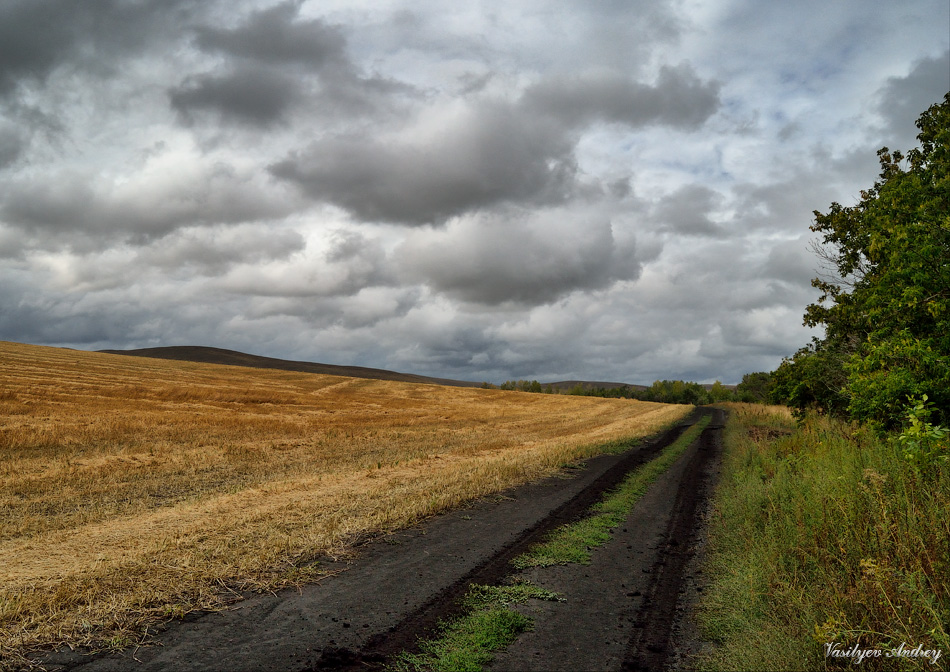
<point>885,302</point>
<point>755,387</point>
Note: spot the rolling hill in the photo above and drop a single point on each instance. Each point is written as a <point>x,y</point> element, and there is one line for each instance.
<point>208,355</point>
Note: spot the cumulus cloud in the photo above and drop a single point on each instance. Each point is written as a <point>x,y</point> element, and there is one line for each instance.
<point>679,98</point>
<point>451,161</point>
<point>526,260</point>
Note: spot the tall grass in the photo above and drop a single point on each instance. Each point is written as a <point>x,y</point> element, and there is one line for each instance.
<point>824,535</point>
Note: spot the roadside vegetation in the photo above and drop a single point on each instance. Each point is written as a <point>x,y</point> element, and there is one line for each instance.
<point>830,540</point>
<point>134,490</point>
<point>824,534</point>
<point>885,302</point>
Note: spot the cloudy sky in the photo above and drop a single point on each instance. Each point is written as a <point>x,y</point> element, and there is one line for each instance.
<point>616,190</point>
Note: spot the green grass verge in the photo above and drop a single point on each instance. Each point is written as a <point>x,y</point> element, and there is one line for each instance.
<point>467,643</point>
<point>573,543</point>
<point>823,535</point>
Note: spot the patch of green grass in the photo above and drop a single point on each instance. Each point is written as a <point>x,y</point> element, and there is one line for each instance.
<point>573,543</point>
<point>467,643</point>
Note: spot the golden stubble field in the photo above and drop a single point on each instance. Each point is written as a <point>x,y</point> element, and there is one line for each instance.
<point>134,490</point>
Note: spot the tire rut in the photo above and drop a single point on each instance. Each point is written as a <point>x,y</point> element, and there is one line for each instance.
<point>650,648</point>
<point>445,605</point>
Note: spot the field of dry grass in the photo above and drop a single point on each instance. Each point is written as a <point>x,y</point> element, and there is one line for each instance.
<point>133,490</point>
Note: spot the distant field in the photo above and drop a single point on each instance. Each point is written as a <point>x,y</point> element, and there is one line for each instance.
<point>133,489</point>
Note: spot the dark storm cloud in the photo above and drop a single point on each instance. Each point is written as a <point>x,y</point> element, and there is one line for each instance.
<point>37,36</point>
<point>212,251</point>
<point>790,261</point>
<point>679,99</point>
<point>72,209</point>
<point>502,260</point>
<point>273,61</point>
<point>902,99</point>
<point>489,153</point>
<point>274,36</point>
<point>686,212</point>
<point>248,94</point>
<point>484,156</point>
<point>349,265</point>
<point>11,146</point>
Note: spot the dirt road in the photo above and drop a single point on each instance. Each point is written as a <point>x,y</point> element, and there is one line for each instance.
<point>619,611</point>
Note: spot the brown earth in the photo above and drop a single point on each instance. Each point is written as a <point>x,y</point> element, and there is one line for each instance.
<point>623,611</point>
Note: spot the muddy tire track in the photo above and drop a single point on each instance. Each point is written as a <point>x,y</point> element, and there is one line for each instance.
<point>659,607</point>
<point>424,621</point>
<point>651,646</point>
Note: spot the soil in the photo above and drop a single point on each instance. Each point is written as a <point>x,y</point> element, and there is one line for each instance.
<point>627,610</point>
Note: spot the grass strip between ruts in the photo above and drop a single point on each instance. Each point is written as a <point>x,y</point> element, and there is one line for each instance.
<point>487,624</point>
<point>467,643</point>
<point>572,543</point>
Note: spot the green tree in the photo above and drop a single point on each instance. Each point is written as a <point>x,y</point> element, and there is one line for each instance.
<point>814,377</point>
<point>755,387</point>
<point>885,304</point>
<point>719,392</point>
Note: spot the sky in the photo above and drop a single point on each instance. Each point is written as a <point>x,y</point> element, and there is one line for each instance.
<point>487,191</point>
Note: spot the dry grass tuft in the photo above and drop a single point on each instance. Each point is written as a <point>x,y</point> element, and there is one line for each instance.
<point>134,490</point>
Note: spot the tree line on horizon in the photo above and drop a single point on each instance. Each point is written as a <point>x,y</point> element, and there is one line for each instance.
<point>753,389</point>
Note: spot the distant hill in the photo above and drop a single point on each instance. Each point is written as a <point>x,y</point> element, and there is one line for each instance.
<point>207,355</point>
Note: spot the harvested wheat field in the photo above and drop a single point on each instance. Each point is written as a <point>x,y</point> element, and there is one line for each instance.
<point>134,490</point>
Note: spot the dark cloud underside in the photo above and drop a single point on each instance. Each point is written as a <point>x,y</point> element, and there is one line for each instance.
<point>274,35</point>
<point>248,94</point>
